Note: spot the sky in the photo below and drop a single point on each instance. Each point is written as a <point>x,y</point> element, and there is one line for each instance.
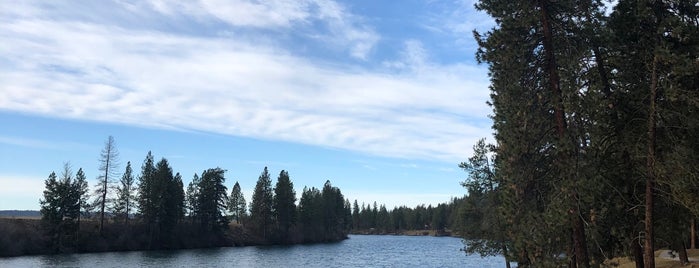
<point>382,98</point>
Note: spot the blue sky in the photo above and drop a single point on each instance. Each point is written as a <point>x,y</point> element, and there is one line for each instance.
<point>382,98</point>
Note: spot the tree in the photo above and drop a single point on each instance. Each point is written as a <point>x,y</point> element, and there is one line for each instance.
<point>147,193</point>
<point>262,204</point>
<point>169,200</point>
<point>83,193</point>
<point>237,205</point>
<point>311,215</point>
<point>355,216</point>
<point>212,200</point>
<point>108,165</point>
<point>60,208</point>
<point>125,194</point>
<point>284,206</point>
<point>192,197</point>
<point>479,223</point>
<point>335,212</point>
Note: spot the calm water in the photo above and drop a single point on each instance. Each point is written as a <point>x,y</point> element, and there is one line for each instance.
<point>358,251</point>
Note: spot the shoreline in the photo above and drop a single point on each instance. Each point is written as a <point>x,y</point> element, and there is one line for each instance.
<point>435,233</point>
<point>24,237</point>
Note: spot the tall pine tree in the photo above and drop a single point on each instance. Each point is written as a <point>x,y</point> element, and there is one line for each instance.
<point>261,207</point>
<point>284,205</point>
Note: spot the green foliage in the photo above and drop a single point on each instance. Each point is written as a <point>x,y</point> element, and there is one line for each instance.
<point>60,209</point>
<point>589,108</point>
<point>83,192</point>
<point>284,206</point>
<point>237,205</point>
<point>148,190</point>
<point>261,207</point>
<point>125,195</point>
<point>212,200</point>
<point>192,197</point>
<point>162,203</point>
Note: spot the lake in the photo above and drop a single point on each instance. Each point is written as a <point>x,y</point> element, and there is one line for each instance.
<point>357,251</point>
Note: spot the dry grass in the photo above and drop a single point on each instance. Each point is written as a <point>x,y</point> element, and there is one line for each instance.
<point>21,217</point>
<point>659,262</point>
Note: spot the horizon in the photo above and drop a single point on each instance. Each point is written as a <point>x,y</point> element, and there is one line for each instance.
<point>382,99</point>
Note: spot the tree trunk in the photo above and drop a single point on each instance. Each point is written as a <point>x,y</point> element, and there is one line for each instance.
<point>693,234</point>
<point>682,250</point>
<point>104,188</point>
<point>504,253</point>
<point>579,240</point>
<point>650,166</point>
<point>637,253</point>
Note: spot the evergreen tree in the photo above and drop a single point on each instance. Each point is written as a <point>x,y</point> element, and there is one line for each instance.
<point>384,220</point>
<point>284,206</point>
<point>147,190</point>
<point>262,204</point>
<point>177,200</point>
<point>192,197</point>
<point>169,200</point>
<point>60,209</point>
<point>355,216</point>
<point>83,193</point>
<point>311,215</point>
<point>478,220</point>
<point>237,205</point>
<point>125,195</point>
<point>212,200</point>
<point>334,212</point>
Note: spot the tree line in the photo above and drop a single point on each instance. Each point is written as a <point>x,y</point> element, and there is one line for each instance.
<point>442,218</point>
<point>154,210</point>
<point>595,118</point>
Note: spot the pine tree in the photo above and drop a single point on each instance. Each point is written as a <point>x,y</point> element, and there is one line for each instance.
<point>261,206</point>
<point>192,197</point>
<point>355,216</point>
<point>125,195</point>
<point>237,205</point>
<point>212,200</point>
<point>478,221</point>
<point>311,215</point>
<point>169,202</point>
<point>147,191</point>
<point>60,208</point>
<point>284,206</point>
<point>83,193</point>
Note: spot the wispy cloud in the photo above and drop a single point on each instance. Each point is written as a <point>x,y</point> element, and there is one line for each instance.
<point>231,84</point>
<point>341,28</point>
<point>458,19</point>
<point>41,144</point>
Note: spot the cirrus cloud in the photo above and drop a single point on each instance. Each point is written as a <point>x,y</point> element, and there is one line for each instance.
<point>232,84</point>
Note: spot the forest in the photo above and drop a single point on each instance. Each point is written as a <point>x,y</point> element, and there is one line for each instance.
<point>154,210</point>
<point>595,121</point>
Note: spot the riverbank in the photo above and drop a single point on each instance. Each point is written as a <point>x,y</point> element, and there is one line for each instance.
<point>436,233</point>
<point>25,236</point>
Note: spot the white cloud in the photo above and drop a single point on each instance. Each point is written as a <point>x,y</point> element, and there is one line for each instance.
<point>457,19</point>
<point>41,144</point>
<point>343,29</point>
<point>20,192</point>
<point>231,85</point>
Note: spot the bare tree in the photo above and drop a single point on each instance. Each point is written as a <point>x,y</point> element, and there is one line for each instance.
<point>109,162</point>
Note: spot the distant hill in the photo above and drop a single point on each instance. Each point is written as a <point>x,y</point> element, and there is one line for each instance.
<point>20,214</point>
